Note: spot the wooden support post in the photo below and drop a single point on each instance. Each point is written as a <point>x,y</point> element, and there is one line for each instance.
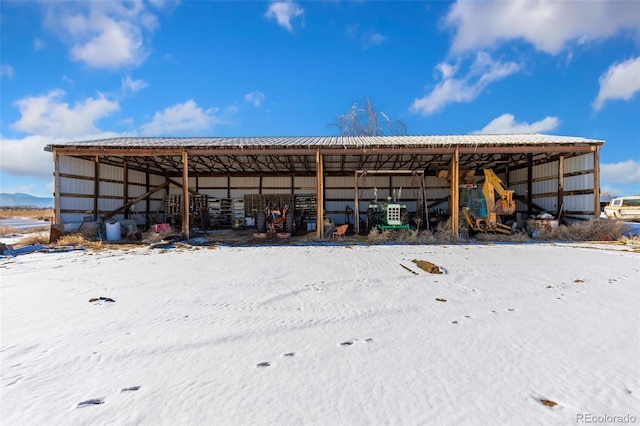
<point>56,188</point>
<point>185,196</point>
<point>125,188</point>
<point>455,193</point>
<point>356,205</point>
<point>319,195</point>
<point>147,214</point>
<point>529,182</point>
<point>560,201</point>
<point>96,187</point>
<point>229,186</point>
<point>596,183</point>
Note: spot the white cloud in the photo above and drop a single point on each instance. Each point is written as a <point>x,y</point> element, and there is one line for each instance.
<point>623,172</point>
<point>131,85</point>
<point>27,158</point>
<point>620,81</point>
<point>284,12</point>
<point>506,124</point>
<point>46,115</point>
<point>256,98</point>
<point>549,25</point>
<point>185,117</point>
<point>374,39</point>
<point>103,34</point>
<point>7,70</point>
<point>482,72</point>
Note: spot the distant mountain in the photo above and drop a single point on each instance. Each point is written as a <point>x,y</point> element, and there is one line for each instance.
<point>24,200</point>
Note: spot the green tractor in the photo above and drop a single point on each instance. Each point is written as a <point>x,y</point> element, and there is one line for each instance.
<point>387,215</point>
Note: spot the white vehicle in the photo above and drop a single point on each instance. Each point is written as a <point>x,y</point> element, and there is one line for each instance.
<point>624,208</point>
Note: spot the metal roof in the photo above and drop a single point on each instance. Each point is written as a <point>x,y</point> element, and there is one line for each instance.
<point>330,141</point>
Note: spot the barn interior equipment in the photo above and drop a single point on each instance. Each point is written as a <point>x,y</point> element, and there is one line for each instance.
<point>387,215</point>
<point>480,208</point>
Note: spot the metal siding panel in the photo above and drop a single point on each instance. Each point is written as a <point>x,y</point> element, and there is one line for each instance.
<point>545,170</point>
<point>240,193</point>
<point>136,177</point>
<point>76,166</point>
<point>76,186</point>
<point>547,203</point>
<point>252,182</point>
<point>111,189</point>
<point>213,182</point>
<point>344,194</point>
<point>275,191</point>
<point>306,184</point>
<point>135,191</point>
<point>578,202</point>
<point>72,218</point>
<point>110,172</point>
<point>276,182</point>
<point>156,180</point>
<point>518,175</point>
<point>578,163</point>
<point>108,204</point>
<point>580,182</point>
<point>68,203</point>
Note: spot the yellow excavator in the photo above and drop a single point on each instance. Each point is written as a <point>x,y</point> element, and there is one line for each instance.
<point>480,208</point>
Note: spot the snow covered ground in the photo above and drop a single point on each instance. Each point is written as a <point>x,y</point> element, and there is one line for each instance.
<point>321,335</point>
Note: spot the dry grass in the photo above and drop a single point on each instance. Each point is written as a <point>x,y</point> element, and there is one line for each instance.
<point>6,231</point>
<point>32,239</point>
<point>40,214</point>
<point>592,230</point>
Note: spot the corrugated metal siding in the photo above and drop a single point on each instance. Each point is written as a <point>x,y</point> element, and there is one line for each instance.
<point>580,182</point>
<point>76,166</point>
<point>578,203</point>
<point>134,176</point>
<point>305,185</point>
<point>111,189</point>
<point>76,186</point>
<point>84,204</point>
<point>279,182</point>
<point>578,163</point>
<point>110,172</point>
<point>545,186</point>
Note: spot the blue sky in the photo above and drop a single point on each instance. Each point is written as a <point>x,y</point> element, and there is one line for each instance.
<point>84,70</point>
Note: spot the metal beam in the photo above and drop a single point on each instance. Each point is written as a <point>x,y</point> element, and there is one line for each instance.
<point>185,195</point>
<point>319,195</point>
